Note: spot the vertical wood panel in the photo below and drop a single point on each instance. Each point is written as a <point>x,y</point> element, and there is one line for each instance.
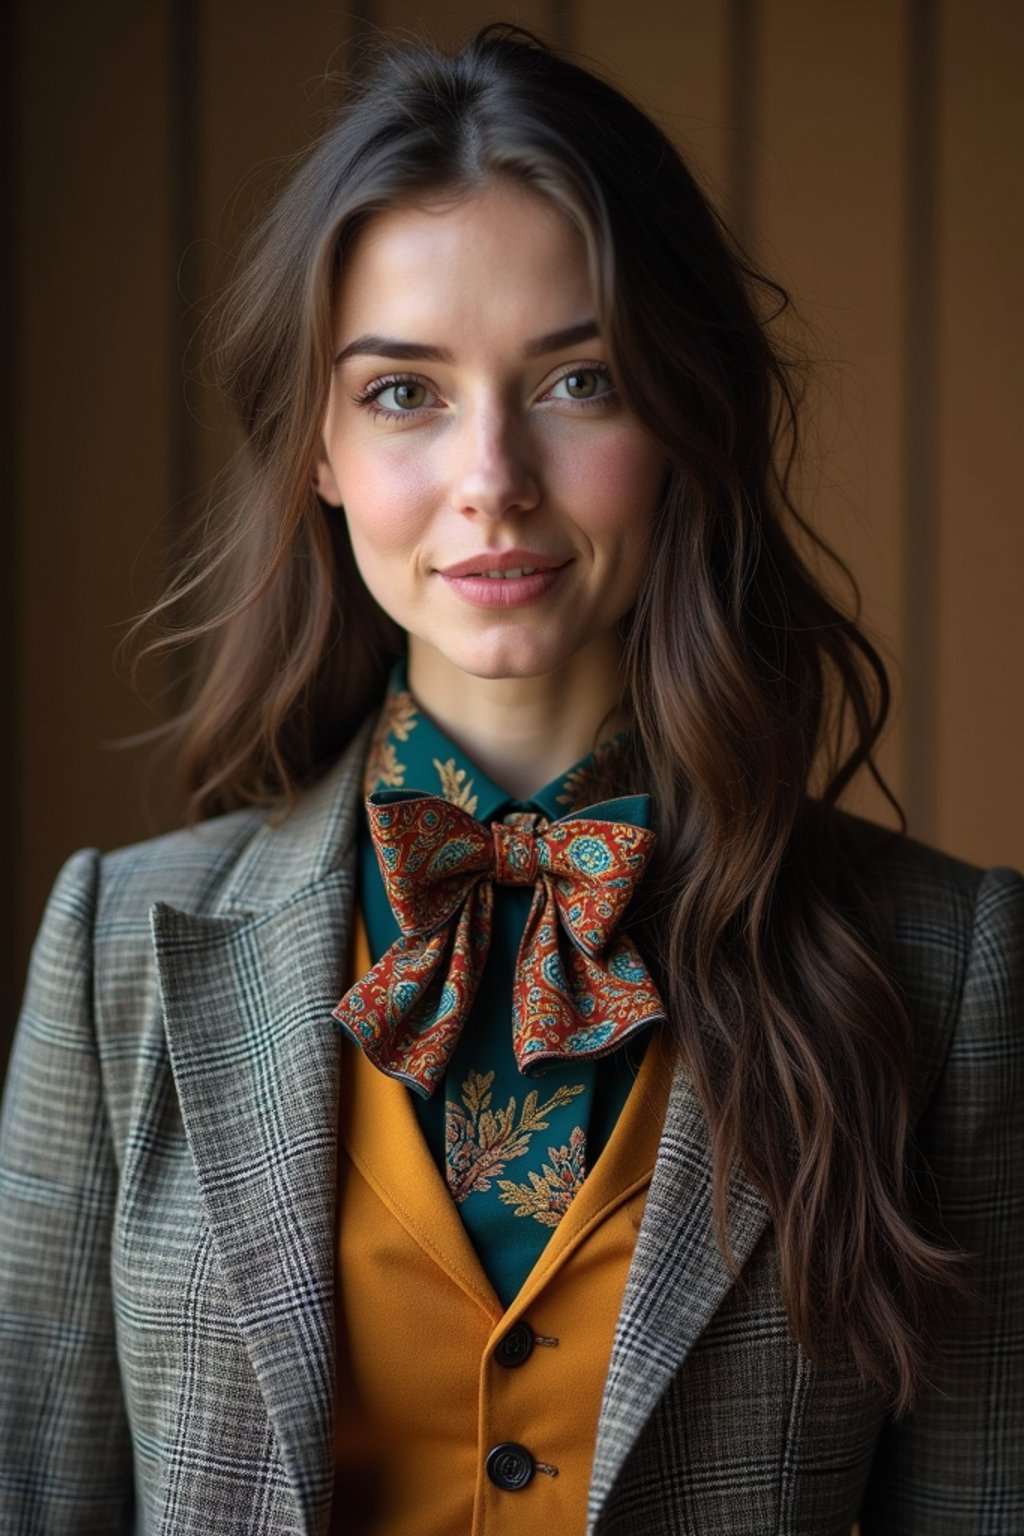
<point>830,193</point>
<point>744,111</point>
<point>264,82</point>
<point>98,273</point>
<point>674,61</point>
<point>11,434</point>
<point>920,468</point>
<point>182,194</point>
<point>980,705</point>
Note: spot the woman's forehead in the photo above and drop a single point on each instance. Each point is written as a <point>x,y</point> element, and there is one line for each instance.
<point>503,252</point>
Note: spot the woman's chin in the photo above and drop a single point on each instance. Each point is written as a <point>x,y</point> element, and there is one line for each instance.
<point>494,662</point>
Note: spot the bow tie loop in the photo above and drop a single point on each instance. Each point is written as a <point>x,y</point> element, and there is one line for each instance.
<point>430,854</point>
<point>596,866</point>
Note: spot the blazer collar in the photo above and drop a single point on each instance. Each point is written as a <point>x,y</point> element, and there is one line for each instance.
<point>312,843</point>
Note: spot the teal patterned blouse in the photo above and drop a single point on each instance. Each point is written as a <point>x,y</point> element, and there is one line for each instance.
<point>514,1149</point>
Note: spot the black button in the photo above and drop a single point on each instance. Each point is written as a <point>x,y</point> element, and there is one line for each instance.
<point>509,1466</point>
<point>515,1347</point>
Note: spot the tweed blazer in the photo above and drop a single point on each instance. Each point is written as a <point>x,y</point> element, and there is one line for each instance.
<point>167,1218</point>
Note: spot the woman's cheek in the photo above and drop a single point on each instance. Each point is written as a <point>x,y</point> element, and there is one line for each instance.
<point>615,485</point>
<point>387,504</point>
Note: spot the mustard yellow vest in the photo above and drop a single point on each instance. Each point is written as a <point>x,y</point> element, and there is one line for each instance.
<point>454,1416</point>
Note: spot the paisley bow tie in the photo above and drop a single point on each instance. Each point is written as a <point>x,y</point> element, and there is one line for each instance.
<point>580,988</point>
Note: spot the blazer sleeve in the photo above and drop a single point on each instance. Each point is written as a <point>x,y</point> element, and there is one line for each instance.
<point>956,1462</point>
<point>65,1451</point>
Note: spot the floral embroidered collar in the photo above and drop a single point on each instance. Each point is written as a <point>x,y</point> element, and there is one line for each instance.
<point>409,751</point>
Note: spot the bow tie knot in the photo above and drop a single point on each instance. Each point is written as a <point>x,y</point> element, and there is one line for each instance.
<point>515,853</point>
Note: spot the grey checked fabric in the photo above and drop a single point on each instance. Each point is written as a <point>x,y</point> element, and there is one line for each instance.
<point>167,1154</point>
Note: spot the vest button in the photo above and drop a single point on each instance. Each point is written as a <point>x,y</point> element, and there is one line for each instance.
<point>515,1347</point>
<point>509,1466</point>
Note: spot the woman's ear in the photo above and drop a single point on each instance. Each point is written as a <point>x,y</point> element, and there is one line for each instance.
<point>325,481</point>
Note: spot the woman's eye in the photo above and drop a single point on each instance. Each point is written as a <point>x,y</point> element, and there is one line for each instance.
<point>584,384</point>
<point>395,396</point>
<point>408,395</point>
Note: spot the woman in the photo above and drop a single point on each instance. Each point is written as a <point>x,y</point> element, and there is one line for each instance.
<point>522,1100</point>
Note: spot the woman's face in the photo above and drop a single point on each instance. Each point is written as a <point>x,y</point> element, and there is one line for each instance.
<point>473,417</point>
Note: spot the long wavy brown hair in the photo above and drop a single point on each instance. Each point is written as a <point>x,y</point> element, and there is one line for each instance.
<point>754,696</point>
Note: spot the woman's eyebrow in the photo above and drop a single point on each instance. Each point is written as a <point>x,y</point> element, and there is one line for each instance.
<point>385,346</point>
<point>418,351</point>
<point>554,341</point>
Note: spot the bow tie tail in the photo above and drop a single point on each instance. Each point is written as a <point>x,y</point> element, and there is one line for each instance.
<point>568,1003</point>
<point>405,1013</point>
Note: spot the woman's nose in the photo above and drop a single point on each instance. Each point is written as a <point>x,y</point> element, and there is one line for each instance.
<point>494,472</point>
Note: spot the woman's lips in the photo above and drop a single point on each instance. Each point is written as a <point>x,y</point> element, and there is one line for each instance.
<point>506,591</point>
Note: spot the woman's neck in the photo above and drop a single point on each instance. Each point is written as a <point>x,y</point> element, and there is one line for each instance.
<point>522,731</point>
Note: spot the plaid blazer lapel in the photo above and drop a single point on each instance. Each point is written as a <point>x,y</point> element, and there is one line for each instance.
<point>676,1281</point>
<point>248,995</point>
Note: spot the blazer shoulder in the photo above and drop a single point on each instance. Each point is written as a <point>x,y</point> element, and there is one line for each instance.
<point>947,930</point>
<point>904,873</point>
<point>189,866</point>
<point>920,890</point>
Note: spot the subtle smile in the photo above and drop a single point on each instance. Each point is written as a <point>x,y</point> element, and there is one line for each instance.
<point>505,588</point>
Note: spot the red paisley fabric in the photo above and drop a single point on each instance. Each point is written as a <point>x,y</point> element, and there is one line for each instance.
<point>580,988</point>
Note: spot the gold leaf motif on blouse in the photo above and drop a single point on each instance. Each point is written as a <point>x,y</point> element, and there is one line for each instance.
<point>399,716</point>
<point>388,772</point>
<point>594,780</point>
<point>481,1140</point>
<point>454,785</point>
<point>549,1193</point>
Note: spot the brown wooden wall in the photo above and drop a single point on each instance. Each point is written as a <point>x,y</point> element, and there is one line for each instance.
<point>868,150</point>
